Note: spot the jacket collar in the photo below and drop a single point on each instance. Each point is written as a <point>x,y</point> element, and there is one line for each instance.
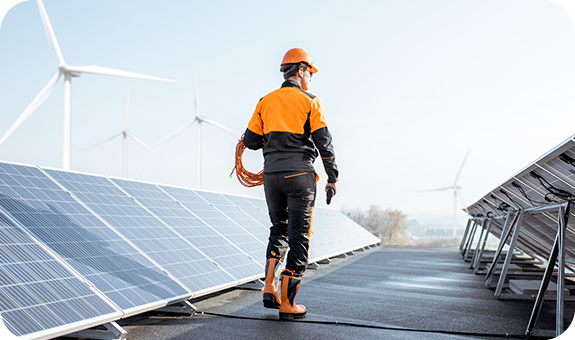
<point>291,83</point>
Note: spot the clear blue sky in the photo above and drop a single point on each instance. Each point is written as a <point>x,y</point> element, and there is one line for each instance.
<point>409,86</point>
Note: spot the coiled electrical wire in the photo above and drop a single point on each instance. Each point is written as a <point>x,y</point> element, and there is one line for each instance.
<point>246,178</point>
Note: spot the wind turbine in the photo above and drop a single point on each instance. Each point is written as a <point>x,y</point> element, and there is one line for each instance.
<point>125,134</point>
<point>68,72</point>
<point>456,194</point>
<point>199,119</point>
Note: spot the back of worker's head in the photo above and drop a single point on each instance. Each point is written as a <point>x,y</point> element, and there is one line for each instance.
<point>290,70</point>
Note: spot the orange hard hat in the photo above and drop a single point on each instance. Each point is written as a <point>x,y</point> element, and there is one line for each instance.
<point>297,55</point>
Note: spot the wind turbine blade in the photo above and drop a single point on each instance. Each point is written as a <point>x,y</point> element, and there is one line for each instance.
<point>220,126</point>
<point>113,72</point>
<point>439,189</point>
<point>461,168</point>
<point>126,112</point>
<point>50,32</point>
<point>35,103</point>
<point>141,143</point>
<point>100,142</point>
<point>176,132</point>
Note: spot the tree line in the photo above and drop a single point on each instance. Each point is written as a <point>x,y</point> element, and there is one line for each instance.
<point>390,225</point>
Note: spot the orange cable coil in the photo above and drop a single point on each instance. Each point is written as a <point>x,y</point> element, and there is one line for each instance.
<point>246,178</point>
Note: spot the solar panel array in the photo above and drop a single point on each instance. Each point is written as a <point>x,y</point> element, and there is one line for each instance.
<point>530,212</point>
<point>79,250</point>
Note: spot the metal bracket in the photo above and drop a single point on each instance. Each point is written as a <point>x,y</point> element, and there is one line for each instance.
<point>313,266</point>
<point>184,307</point>
<point>113,332</point>
<point>350,253</point>
<point>253,285</point>
<point>324,261</point>
<point>341,256</point>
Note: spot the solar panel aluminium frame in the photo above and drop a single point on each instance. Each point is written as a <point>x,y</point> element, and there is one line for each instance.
<point>142,308</point>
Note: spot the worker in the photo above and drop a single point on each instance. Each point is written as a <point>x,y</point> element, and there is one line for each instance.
<point>290,125</point>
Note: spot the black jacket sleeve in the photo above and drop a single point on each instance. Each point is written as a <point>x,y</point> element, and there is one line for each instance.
<point>322,140</point>
<point>253,140</point>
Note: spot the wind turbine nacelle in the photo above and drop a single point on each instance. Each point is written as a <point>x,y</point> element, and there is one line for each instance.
<point>75,74</point>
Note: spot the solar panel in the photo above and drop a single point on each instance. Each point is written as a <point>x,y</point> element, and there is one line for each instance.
<point>157,240</point>
<point>227,219</point>
<point>535,204</point>
<point>84,242</point>
<point>339,233</point>
<point>38,294</point>
<point>254,211</point>
<point>196,231</point>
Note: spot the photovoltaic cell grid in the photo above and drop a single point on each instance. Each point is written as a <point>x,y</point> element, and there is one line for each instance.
<point>255,212</point>
<point>36,292</point>
<point>102,257</point>
<point>230,237</point>
<point>148,233</point>
<point>228,220</point>
<point>341,233</point>
<point>203,237</point>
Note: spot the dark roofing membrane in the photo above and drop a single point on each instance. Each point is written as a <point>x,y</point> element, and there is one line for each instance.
<point>397,287</point>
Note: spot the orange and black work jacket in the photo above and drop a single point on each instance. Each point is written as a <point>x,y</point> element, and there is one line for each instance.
<point>290,125</point>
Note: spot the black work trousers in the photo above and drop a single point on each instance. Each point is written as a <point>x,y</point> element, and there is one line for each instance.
<point>290,197</point>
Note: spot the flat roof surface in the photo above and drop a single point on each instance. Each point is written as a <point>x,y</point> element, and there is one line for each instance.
<point>396,287</point>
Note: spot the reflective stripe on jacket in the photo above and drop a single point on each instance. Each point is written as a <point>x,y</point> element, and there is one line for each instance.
<point>292,123</point>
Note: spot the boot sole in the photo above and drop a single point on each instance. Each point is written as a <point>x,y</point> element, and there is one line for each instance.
<point>270,301</point>
<point>291,316</point>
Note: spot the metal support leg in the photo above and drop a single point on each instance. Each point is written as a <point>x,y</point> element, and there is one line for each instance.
<point>477,263</point>
<point>543,288</point>
<point>469,221</point>
<point>252,285</point>
<point>509,222</point>
<point>470,240</point>
<point>563,220</point>
<point>113,332</point>
<point>476,253</point>
<point>184,308</point>
<point>503,274</point>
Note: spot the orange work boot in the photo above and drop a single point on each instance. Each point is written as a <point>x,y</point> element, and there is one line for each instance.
<point>289,286</point>
<point>272,271</point>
